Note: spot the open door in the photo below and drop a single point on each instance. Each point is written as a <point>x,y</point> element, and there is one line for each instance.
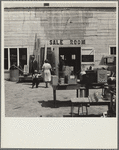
<point>71,57</point>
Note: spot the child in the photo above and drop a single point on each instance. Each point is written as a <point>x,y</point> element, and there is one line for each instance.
<point>35,80</point>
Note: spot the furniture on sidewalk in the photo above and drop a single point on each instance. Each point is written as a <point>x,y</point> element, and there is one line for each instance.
<point>85,101</point>
<point>65,87</point>
<point>84,89</point>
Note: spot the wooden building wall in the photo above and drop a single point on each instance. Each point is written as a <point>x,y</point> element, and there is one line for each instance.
<point>32,27</point>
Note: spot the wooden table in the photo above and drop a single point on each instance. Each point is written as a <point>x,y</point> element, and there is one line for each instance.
<point>65,87</point>
<point>85,101</point>
<point>73,87</point>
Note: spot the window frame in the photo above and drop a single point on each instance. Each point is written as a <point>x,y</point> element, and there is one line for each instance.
<point>17,56</point>
<point>110,49</point>
<point>85,48</point>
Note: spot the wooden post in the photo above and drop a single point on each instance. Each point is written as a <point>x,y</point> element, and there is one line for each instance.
<point>111,103</point>
<point>54,96</point>
<point>86,110</point>
<point>56,53</point>
<point>45,56</point>
<point>78,109</point>
<point>77,92</point>
<point>82,108</point>
<point>72,108</point>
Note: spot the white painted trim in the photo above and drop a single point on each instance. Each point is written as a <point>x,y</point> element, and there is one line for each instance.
<point>8,58</point>
<point>45,56</point>
<point>28,58</point>
<point>17,56</point>
<point>87,63</point>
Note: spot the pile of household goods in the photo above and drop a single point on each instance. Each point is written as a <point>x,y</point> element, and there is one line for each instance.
<point>65,77</point>
<point>93,76</point>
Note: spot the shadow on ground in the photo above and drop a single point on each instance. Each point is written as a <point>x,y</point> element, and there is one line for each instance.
<point>57,104</point>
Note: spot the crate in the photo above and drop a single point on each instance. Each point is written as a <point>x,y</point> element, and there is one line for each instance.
<point>54,80</point>
<point>72,80</point>
<point>101,76</point>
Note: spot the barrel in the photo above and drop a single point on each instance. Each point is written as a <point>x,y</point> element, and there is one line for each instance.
<point>14,75</point>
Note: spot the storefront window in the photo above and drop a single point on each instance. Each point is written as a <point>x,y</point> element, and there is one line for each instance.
<point>87,55</point>
<point>22,57</point>
<point>13,56</point>
<point>6,58</point>
<point>113,50</point>
<point>87,58</point>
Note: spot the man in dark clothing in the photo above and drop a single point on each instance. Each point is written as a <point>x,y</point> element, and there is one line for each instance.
<point>33,64</point>
<point>35,80</point>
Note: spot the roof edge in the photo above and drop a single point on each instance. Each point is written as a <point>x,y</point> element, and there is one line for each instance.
<point>37,4</point>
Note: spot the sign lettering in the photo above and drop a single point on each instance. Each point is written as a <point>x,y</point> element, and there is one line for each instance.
<point>56,42</point>
<point>66,42</point>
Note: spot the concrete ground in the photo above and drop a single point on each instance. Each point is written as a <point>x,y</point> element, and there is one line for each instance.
<point>23,101</point>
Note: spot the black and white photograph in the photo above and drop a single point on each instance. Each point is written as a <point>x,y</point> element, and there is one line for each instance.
<point>60,60</point>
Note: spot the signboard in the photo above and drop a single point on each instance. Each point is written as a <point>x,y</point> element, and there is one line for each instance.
<point>66,42</point>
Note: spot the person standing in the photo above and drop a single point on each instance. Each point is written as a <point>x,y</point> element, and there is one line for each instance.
<point>35,80</point>
<point>46,72</point>
<point>33,64</point>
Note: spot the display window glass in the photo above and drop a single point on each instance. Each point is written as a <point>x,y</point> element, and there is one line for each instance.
<point>15,56</point>
<point>113,50</point>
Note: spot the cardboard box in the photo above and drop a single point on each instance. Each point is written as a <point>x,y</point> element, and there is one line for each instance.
<point>72,79</point>
<point>101,76</point>
<point>61,80</point>
<point>68,70</point>
<point>54,80</point>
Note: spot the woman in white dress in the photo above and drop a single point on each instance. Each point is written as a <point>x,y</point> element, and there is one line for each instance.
<point>46,72</point>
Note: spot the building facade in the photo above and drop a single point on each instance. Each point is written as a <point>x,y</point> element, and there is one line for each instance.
<point>80,35</point>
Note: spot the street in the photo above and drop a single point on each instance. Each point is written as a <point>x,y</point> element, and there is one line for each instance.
<point>23,101</point>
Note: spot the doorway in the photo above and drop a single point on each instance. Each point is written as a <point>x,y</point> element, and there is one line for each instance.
<point>71,57</point>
